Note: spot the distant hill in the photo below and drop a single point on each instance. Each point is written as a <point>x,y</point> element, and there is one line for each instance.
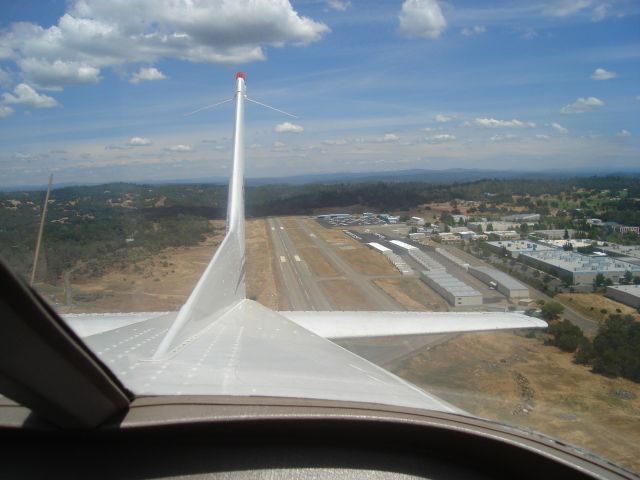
<point>454,175</point>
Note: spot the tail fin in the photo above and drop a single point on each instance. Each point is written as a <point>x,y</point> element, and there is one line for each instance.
<point>222,285</point>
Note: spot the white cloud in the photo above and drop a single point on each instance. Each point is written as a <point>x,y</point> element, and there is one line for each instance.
<point>147,75</point>
<point>287,127</point>
<point>5,111</point>
<point>542,136</point>
<point>340,141</point>
<point>421,18</point>
<point>563,8</point>
<point>623,134</point>
<point>181,148</point>
<point>441,138</point>
<point>559,128</point>
<point>339,5</point>
<point>493,123</point>
<point>23,94</point>
<point>475,30</point>
<point>602,74</point>
<point>390,137</point>
<point>441,118</point>
<point>139,142</point>
<point>600,12</point>
<point>582,105</point>
<point>53,74</point>
<point>503,138</point>
<point>96,34</point>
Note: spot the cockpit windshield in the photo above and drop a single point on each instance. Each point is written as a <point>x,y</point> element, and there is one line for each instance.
<point>389,204</point>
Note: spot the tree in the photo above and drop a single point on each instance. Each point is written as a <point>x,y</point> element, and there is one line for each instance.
<point>599,280</point>
<point>566,234</point>
<point>628,278</point>
<point>524,229</point>
<point>552,310</point>
<point>617,348</point>
<point>490,227</point>
<point>566,335</point>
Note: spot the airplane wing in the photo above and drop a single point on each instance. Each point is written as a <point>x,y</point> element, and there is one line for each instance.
<point>221,343</point>
<point>359,324</point>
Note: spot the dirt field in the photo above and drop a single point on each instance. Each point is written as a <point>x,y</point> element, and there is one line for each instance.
<point>164,281</point>
<point>344,295</point>
<point>412,294</point>
<point>367,262</point>
<point>329,235</point>
<point>592,304</point>
<point>317,262</point>
<point>261,280</point>
<point>518,380</point>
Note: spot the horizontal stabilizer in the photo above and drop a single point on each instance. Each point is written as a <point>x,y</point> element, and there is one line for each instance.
<point>334,325</point>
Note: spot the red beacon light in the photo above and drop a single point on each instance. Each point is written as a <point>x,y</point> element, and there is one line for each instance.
<point>241,75</point>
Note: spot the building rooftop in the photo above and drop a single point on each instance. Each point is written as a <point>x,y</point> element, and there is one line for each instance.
<point>576,262</point>
<point>520,245</point>
<point>451,284</point>
<point>506,280</point>
<point>401,244</point>
<point>632,289</point>
<point>379,247</point>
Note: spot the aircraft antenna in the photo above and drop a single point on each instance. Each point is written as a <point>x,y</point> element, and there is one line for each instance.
<point>44,214</point>
<point>208,107</point>
<point>268,106</point>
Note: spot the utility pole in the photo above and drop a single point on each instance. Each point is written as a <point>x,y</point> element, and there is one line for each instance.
<point>44,214</point>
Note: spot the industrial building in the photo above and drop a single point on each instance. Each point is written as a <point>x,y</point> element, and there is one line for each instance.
<point>575,243</point>
<point>577,268</point>
<point>626,253</point>
<point>627,294</point>
<point>426,261</point>
<point>505,284</point>
<point>522,217</point>
<point>516,247</point>
<point>505,234</point>
<point>552,234</point>
<point>457,293</point>
<point>397,260</point>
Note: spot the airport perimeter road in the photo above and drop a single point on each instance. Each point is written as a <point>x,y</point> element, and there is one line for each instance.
<point>301,290</point>
<point>377,298</point>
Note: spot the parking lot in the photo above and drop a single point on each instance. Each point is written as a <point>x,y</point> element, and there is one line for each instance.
<point>354,221</point>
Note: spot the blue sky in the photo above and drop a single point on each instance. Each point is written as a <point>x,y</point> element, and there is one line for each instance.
<point>96,90</point>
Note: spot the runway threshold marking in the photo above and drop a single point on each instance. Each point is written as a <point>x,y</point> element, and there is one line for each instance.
<point>297,258</point>
<point>273,228</point>
<point>281,228</point>
<point>283,259</point>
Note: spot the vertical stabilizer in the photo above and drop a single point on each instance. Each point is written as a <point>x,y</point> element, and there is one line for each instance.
<point>222,285</point>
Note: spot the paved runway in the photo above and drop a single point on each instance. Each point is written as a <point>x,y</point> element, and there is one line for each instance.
<point>301,290</point>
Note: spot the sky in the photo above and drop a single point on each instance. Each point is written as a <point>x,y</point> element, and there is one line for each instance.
<point>97,90</point>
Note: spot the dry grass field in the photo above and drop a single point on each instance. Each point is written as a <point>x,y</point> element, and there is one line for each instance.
<point>344,295</point>
<point>163,282</point>
<point>412,294</point>
<point>520,381</point>
<point>591,305</point>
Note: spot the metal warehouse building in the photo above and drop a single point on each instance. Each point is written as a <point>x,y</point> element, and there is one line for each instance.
<point>578,268</point>
<point>457,293</point>
<point>505,284</point>
<point>627,294</point>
